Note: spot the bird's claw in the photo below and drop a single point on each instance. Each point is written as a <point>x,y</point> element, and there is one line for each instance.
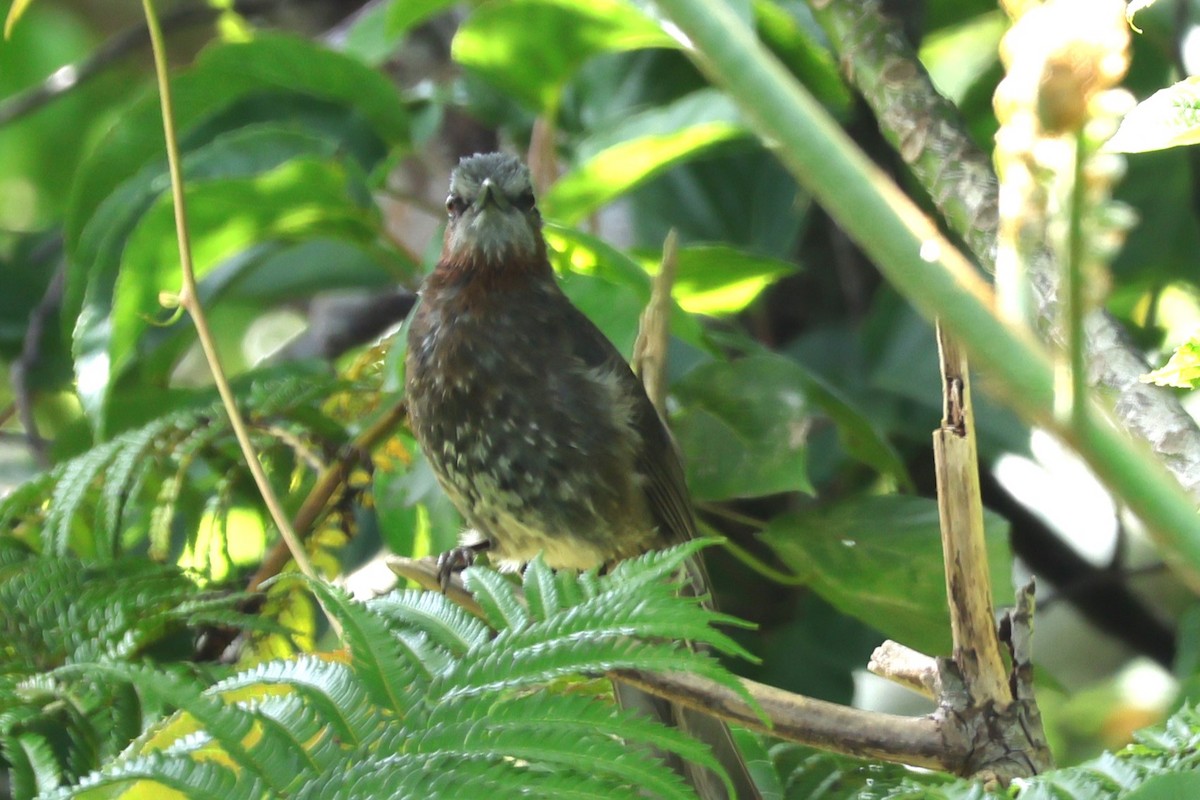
<point>456,560</point>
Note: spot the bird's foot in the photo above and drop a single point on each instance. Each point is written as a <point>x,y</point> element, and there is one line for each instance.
<point>458,559</point>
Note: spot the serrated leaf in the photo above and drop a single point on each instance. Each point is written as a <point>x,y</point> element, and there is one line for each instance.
<point>380,662</point>
<point>879,559</point>
<point>497,596</point>
<point>509,43</point>
<point>541,590</point>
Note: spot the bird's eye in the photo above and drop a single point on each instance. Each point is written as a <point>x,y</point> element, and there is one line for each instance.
<point>525,200</point>
<point>455,205</point>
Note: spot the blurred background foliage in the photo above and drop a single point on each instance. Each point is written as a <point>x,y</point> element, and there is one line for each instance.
<point>318,139</point>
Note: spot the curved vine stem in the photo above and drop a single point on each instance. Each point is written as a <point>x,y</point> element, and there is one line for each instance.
<point>189,299</point>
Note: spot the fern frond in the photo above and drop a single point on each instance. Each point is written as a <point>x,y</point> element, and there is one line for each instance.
<point>446,623</point>
<point>195,779</point>
<point>497,596</point>
<point>567,719</point>
<point>329,686</point>
<point>450,775</point>
<point>392,674</point>
<point>506,668</point>
<point>541,589</point>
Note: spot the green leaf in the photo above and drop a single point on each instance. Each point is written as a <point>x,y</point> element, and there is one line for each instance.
<point>403,15</point>
<point>879,559</point>
<point>1168,787</point>
<point>1182,370</point>
<point>392,674</point>
<point>531,48</point>
<point>801,48</point>
<point>958,56</point>
<point>301,199</point>
<point>1134,7</point>
<point>15,11</point>
<point>610,287</point>
<point>645,145</point>
<point>716,279</point>
<point>857,432</point>
<point>222,76</point>
<point>743,428</point>
<point>1168,118</point>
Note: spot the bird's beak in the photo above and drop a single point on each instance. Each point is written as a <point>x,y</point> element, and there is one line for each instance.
<point>490,195</point>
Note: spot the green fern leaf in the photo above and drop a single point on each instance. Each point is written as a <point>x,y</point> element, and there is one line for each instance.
<point>433,613</point>
<point>72,486</point>
<point>497,597</point>
<point>541,589</point>
<point>392,674</point>
<point>129,462</point>
<point>505,668</point>
<point>329,687</point>
<point>570,720</point>
<point>451,775</point>
<point>195,779</point>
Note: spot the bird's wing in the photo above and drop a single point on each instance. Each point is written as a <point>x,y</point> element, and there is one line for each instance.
<point>658,459</point>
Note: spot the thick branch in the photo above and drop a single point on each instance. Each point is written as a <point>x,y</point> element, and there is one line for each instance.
<point>929,134</point>
<point>917,741</point>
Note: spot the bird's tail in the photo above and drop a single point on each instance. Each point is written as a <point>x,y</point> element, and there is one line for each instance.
<point>706,728</point>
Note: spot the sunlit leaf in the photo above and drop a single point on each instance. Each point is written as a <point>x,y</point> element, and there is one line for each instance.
<point>1168,118</point>
<point>1182,370</point>
<point>880,559</point>
<point>957,56</point>
<point>301,199</point>
<point>222,76</point>
<point>15,11</point>
<point>647,144</point>
<point>531,48</point>
<point>610,287</point>
<point>403,15</point>
<point>715,279</point>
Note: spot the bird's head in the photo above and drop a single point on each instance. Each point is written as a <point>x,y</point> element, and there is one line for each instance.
<point>493,217</point>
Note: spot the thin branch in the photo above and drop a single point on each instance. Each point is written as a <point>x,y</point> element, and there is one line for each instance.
<point>190,300</point>
<point>906,667</point>
<point>330,482</point>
